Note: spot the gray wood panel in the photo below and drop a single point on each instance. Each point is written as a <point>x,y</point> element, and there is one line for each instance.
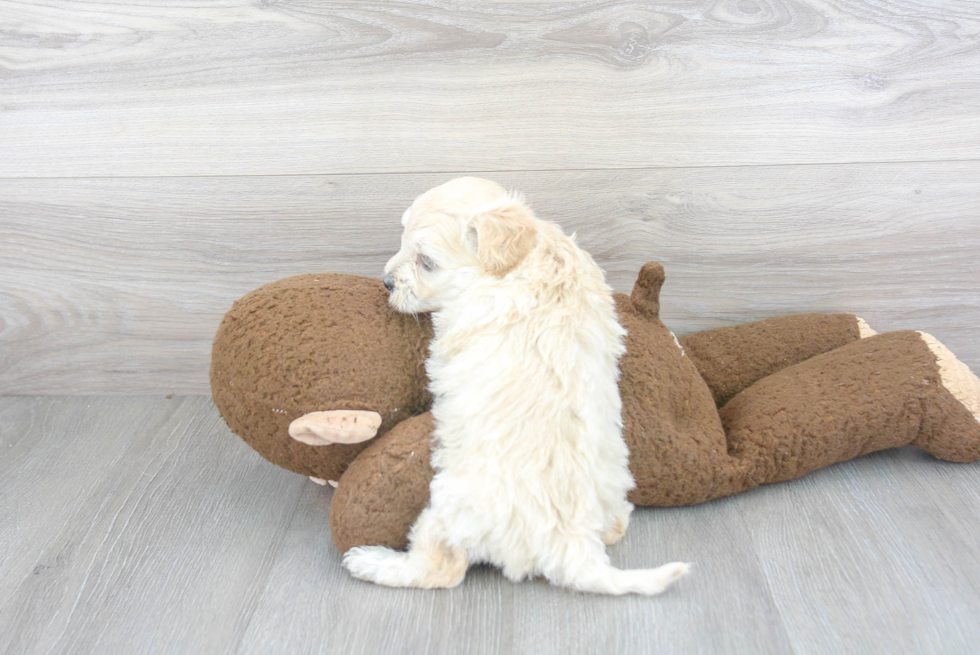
<point>127,541</point>
<point>852,547</point>
<point>726,596</point>
<point>141,525</point>
<point>117,285</point>
<point>45,450</point>
<point>305,86</point>
<point>309,598</point>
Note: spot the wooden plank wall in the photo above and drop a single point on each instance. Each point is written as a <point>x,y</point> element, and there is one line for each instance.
<point>779,156</point>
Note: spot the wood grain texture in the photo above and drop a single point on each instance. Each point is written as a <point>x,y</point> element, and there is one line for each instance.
<point>747,620</point>
<point>118,285</point>
<point>867,542</point>
<point>45,451</point>
<point>312,605</point>
<point>306,86</point>
<point>137,550</point>
<point>141,525</point>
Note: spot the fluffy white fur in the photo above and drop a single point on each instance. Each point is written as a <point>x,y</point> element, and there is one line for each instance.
<point>531,466</point>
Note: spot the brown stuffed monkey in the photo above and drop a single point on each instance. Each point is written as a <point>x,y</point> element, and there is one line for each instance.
<point>319,376</point>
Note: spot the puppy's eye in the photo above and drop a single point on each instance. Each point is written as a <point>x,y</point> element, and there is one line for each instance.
<point>426,262</point>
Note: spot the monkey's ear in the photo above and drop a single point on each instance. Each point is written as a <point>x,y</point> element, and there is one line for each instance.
<point>502,235</point>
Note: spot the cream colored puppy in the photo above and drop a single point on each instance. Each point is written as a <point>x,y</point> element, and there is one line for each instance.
<point>531,466</point>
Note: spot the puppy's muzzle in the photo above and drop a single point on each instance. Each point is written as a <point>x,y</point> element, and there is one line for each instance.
<point>389,282</point>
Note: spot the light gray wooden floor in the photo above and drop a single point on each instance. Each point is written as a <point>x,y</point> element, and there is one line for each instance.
<point>141,525</point>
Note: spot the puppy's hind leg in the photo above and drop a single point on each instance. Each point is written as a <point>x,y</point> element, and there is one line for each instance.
<point>429,563</point>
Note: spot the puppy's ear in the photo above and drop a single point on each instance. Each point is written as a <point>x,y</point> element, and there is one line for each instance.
<point>502,236</point>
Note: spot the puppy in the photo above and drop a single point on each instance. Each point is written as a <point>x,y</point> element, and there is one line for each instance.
<point>531,466</point>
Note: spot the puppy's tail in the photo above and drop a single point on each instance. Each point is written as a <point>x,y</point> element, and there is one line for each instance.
<point>603,578</point>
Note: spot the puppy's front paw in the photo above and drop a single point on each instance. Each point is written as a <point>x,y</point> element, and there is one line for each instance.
<point>336,426</point>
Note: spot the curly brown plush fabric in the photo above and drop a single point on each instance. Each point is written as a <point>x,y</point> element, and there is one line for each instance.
<point>733,358</point>
<point>676,442</point>
<point>877,393</point>
<point>314,343</point>
<point>798,393</point>
<point>386,489</point>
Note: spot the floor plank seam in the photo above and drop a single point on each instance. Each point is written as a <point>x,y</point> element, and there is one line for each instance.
<point>508,171</point>
<point>269,562</point>
<point>765,579</point>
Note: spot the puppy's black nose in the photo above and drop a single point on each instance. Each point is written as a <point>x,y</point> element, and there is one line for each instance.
<point>389,282</point>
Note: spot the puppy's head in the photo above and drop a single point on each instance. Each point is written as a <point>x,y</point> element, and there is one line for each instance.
<point>456,235</point>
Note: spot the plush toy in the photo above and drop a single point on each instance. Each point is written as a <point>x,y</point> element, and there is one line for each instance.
<point>319,376</point>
